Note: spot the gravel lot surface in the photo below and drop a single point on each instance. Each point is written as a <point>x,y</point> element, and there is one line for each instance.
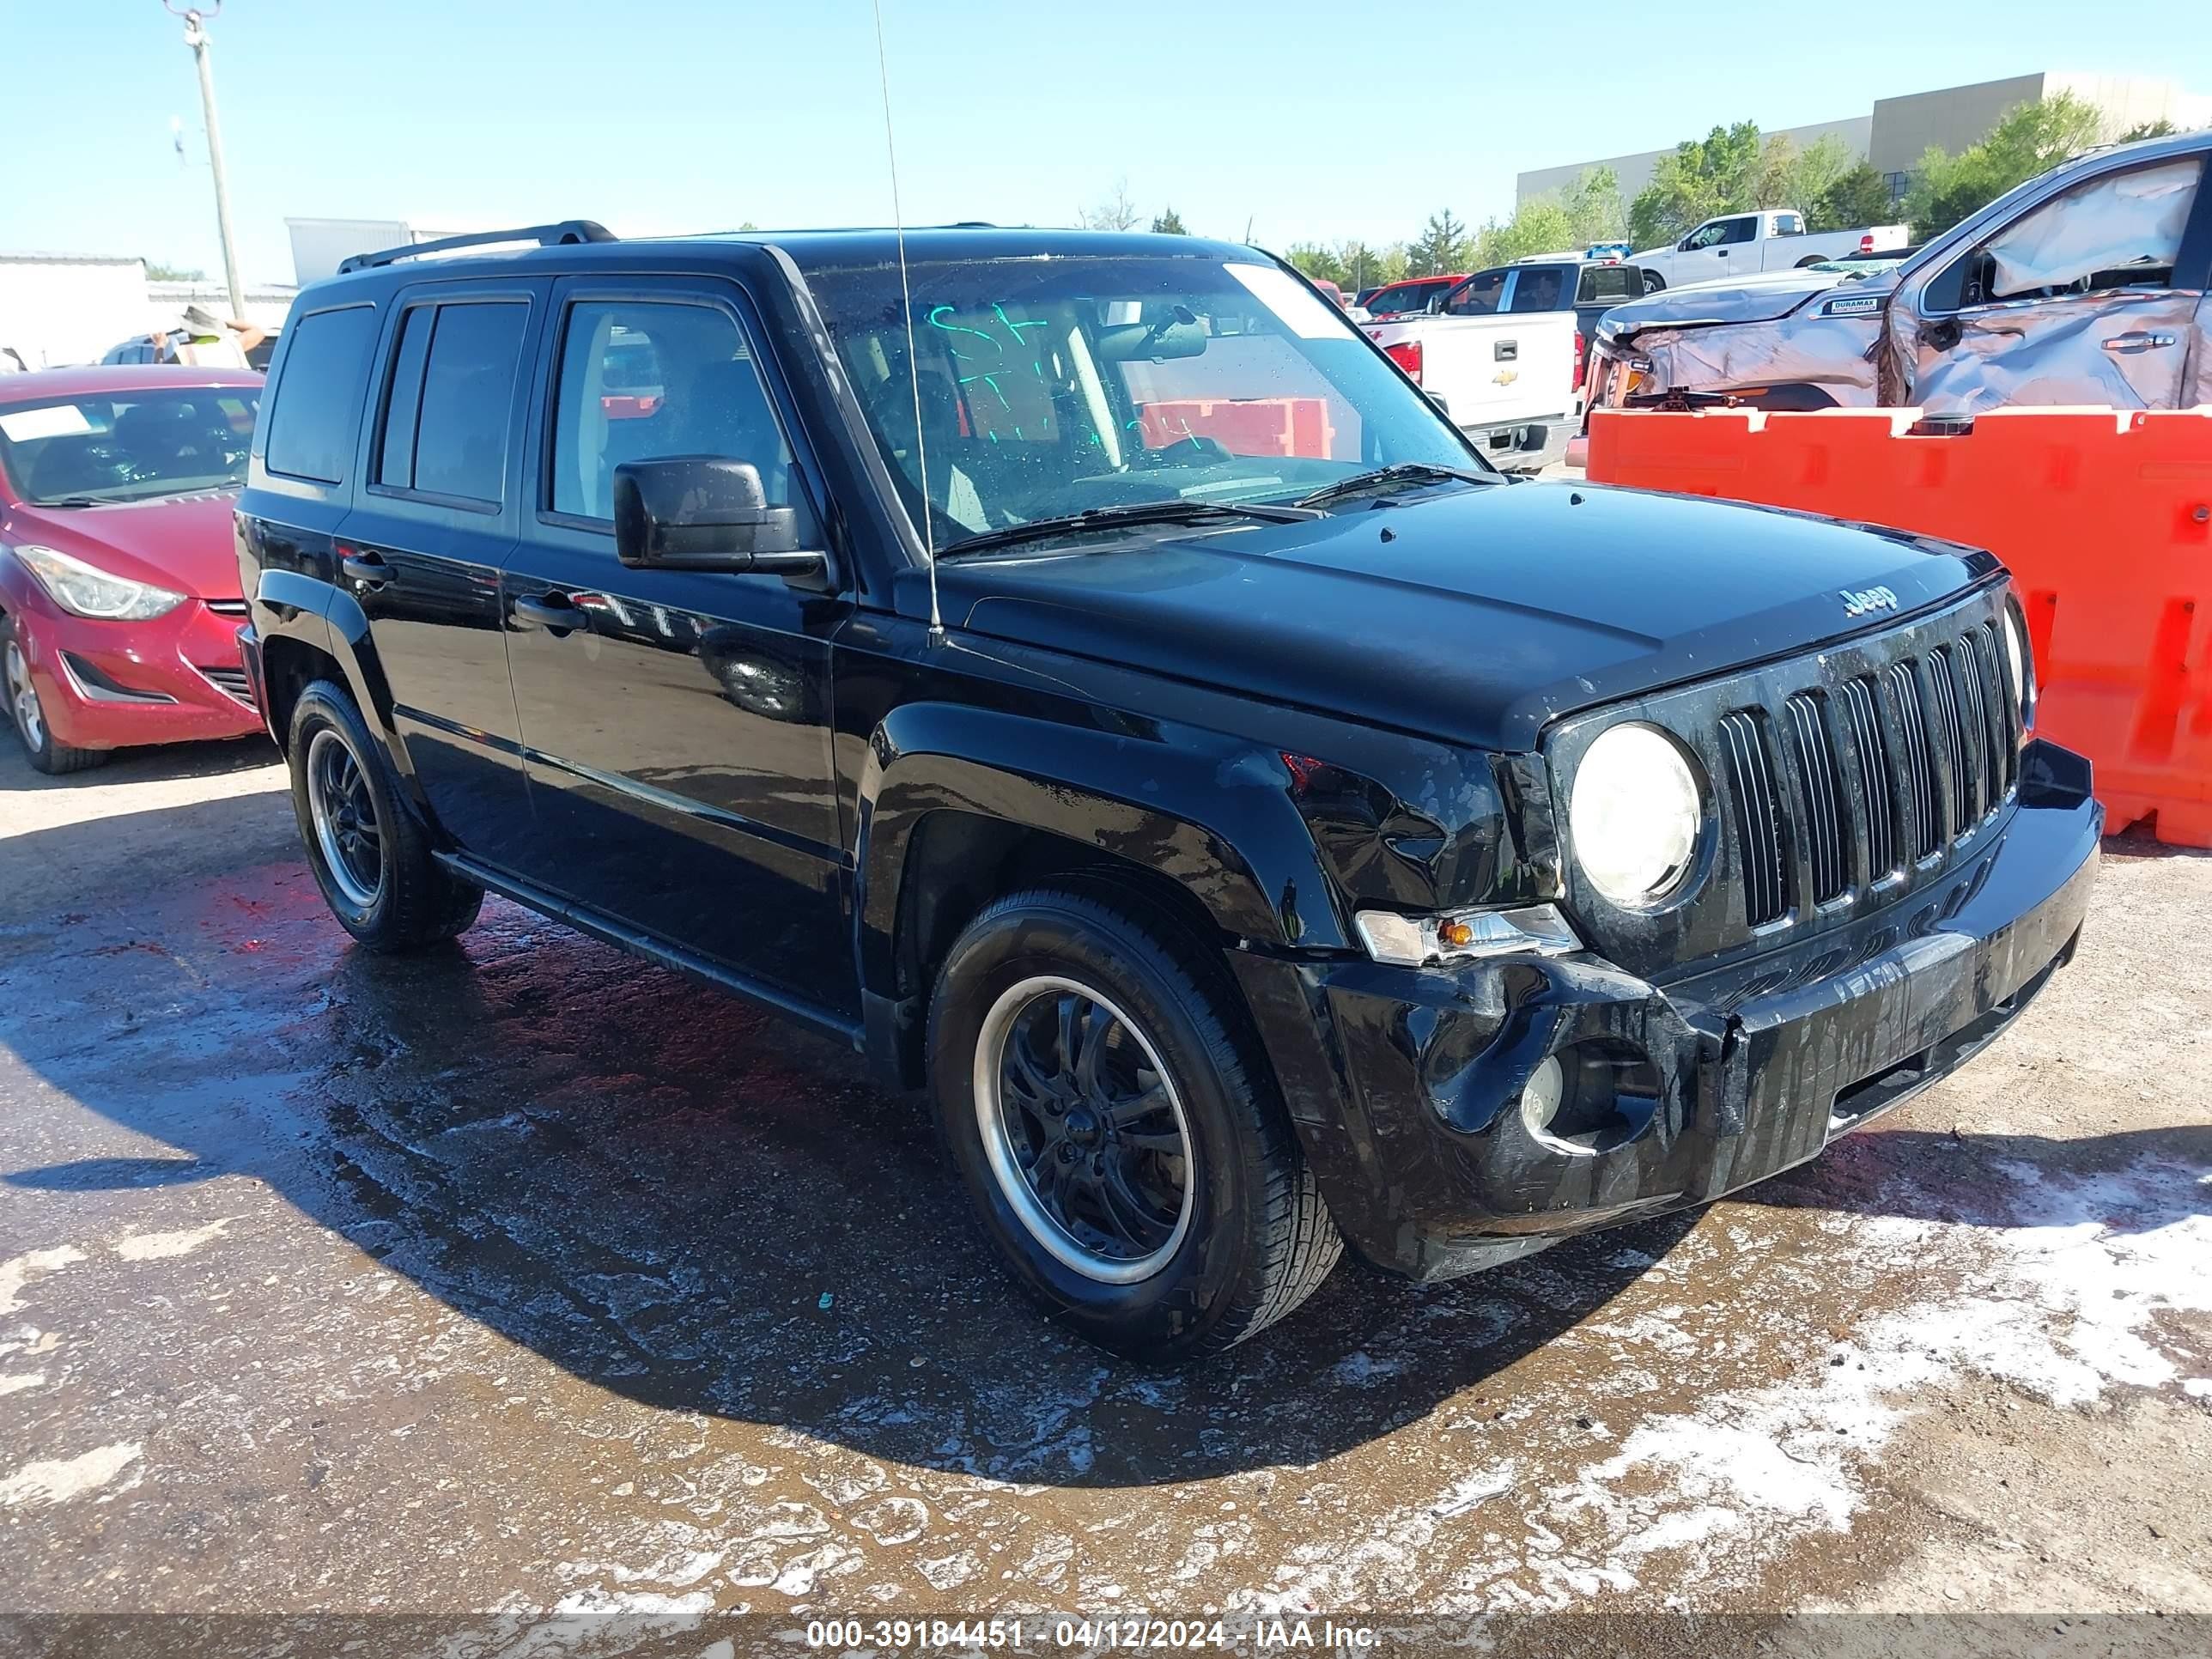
<point>521,1279</point>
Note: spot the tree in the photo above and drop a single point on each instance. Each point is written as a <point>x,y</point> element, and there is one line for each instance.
<point>1443,246</point>
<point>1594,208</point>
<point>1317,261</point>
<point>1564,221</point>
<point>2161,128</point>
<point>1703,177</point>
<point>2028,139</point>
<point>156,271</point>
<point>1115,212</point>
<point>1809,176</point>
<point>1859,197</point>
<point>1168,222</point>
<point>1367,267</point>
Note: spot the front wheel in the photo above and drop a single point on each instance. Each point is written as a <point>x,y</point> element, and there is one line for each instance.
<point>47,753</point>
<point>1119,1137</point>
<point>369,854</point>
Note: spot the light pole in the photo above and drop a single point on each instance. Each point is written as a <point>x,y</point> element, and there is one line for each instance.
<point>196,20</point>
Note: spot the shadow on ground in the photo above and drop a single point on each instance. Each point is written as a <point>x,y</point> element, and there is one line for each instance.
<point>676,1197</point>
<point>159,763</point>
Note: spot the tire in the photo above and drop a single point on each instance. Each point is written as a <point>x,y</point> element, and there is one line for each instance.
<point>46,754</point>
<point>1250,1237</point>
<point>371,856</point>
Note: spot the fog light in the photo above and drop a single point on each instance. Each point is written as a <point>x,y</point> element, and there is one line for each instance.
<point>1590,1098</point>
<point>1539,1097</point>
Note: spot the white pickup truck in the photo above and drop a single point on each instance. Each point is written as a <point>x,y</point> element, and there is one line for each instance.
<point>1506,380</point>
<point>1774,238</point>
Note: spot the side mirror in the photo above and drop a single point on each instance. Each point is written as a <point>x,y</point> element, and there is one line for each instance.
<point>703,513</point>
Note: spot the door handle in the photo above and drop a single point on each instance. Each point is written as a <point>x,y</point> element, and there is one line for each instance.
<point>367,568</point>
<point>1506,351</point>
<point>553,613</point>
<point>2141,340</point>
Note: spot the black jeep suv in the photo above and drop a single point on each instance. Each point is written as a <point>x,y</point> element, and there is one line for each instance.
<point>1082,673</point>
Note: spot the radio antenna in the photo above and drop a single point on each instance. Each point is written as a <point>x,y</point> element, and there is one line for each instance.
<point>913,353</point>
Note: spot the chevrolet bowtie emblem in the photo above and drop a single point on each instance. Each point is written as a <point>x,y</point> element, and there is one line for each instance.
<point>1506,376</point>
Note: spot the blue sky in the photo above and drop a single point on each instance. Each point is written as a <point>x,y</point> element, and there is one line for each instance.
<point>1313,121</point>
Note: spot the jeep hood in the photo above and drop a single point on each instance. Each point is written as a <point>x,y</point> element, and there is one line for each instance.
<point>1758,299</point>
<point>1474,616</point>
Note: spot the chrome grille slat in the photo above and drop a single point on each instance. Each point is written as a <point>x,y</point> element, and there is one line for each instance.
<point>2003,744</point>
<point>1912,727</point>
<point>1826,820</point>
<point>1949,741</point>
<point>1976,798</point>
<point>1876,785</point>
<point>1757,817</point>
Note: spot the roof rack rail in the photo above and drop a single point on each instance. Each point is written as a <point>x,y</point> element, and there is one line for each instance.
<point>565,234</point>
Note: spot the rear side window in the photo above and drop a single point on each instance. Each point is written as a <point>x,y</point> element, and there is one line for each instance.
<point>1478,296</point>
<point>1538,287</point>
<point>1608,284</point>
<point>452,391</point>
<point>316,414</point>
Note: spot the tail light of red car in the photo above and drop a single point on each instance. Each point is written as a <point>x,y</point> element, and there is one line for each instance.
<point>1407,354</point>
<point>1581,359</point>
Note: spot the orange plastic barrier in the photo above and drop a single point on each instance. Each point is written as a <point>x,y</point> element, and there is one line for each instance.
<point>2104,516</point>
<point>1253,426</point>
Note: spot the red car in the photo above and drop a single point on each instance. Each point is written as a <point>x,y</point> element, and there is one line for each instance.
<point>119,599</point>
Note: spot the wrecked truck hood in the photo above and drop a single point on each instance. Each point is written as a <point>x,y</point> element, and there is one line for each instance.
<point>1758,299</point>
<point>1475,616</point>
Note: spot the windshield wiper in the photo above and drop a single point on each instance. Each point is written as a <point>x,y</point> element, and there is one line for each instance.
<point>1383,477</point>
<point>1125,514</point>
<point>74,500</point>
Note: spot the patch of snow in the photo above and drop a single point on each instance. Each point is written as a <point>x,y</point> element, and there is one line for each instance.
<point>159,1247</point>
<point>58,1480</point>
<point>16,1272</point>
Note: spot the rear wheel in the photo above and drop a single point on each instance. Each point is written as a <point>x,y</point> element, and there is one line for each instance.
<point>369,854</point>
<point>48,755</point>
<point>1118,1133</point>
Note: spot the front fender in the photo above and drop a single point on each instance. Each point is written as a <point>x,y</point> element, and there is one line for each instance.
<point>1209,813</point>
<point>289,604</point>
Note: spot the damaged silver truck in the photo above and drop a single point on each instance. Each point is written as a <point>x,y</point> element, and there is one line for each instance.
<point>2084,286</point>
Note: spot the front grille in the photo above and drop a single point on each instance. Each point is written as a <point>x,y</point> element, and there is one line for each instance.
<point>1939,735</point>
<point>232,680</point>
<point>229,607</point>
<point>1845,780</point>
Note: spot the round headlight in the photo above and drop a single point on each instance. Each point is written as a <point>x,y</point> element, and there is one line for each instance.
<point>2016,662</point>
<point>1634,812</point>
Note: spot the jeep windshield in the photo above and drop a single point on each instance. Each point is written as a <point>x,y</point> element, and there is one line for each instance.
<point>1056,387</point>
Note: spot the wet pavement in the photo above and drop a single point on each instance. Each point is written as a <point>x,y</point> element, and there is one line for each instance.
<point>520,1278</point>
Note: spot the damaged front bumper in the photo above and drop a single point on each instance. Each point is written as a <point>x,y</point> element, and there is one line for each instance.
<point>1407,1085</point>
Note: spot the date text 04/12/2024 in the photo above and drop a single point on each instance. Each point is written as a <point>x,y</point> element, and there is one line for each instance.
<point>1091,1635</point>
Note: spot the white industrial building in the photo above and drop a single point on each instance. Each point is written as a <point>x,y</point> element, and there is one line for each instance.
<point>1899,131</point>
<point>62,309</point>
